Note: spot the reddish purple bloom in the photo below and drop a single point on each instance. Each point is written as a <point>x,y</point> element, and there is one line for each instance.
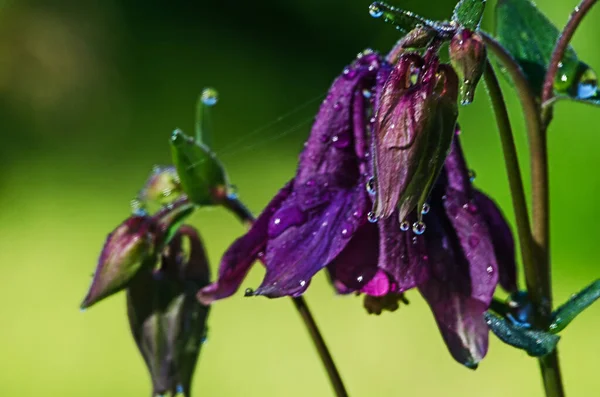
<point>320,219</point>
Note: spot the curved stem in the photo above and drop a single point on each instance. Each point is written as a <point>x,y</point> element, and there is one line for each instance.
<point>245,216</point>
<point>538,274</point>
<point>513,170</point>
<point>559,50</point>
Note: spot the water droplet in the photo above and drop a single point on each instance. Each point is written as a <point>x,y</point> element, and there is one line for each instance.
<point>232,191</point>
<point>472,175</point>
<point>209,96</point>
<point>473,241</point>
<point>349,73</point>
<point>249,292</point>
<point>284,219</point>
<point>179,389</point>
<point>371,186</point>
<point>425,209</point>
<point>404,226</point>
<point>372,217</point>
<point>490,270</point>
<point>418,228</point>
<point>356,215</point>
<point>359,279</point>
<point>83,310</point>
<point>471,207</point>
<point>372,120</point>
<point>341,141</point>
<point>375,10</point>
<point>302,283</point>
<point>366,93</point>
<point>587,86</point>
<point>337,106</point>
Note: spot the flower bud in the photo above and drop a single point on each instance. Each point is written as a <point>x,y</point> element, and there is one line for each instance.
<point>162,187</point>
<point>468,55</point>
<point>124,252</point>
<point>414,128</point>
<point>167,321</point>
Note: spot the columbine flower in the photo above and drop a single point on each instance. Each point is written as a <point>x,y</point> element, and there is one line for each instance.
<point>167,322</point>
<point>320,219</point>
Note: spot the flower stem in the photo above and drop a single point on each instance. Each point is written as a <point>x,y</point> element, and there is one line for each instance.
<point>559,50</point>
<point>245,216</point>
<point>537,275</point>
<point>513,170</point>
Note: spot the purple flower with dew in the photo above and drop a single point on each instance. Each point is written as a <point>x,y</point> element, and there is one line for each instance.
<point>321,219</point>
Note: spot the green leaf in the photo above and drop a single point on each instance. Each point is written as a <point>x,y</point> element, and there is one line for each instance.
<point>202,175</point>
<point>468,13</point>
<point>574,306</point>
<point>535,343</point>
<point>530,37</point>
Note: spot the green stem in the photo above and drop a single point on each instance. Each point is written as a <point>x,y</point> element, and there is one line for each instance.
<point>513,170</point>
<point>537,275</point>
<point>559,50</point>
<point>245,216</point>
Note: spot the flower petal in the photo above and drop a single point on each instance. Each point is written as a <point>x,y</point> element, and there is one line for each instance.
<point>238,258</point>
<point>502,240</point>
<point>301,250</point>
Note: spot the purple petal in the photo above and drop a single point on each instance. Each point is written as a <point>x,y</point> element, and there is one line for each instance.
<point>454,295</point>
<point>460,320</point>
<point>356,265</point>
<point>400,255</point>
<point>238,258</point>
<point>502,240</point>
<point>301,250</point>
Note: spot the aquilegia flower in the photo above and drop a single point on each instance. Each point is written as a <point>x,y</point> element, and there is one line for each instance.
<point>322,219</point>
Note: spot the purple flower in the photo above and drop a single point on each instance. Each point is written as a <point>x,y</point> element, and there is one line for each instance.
<point>321,219</point>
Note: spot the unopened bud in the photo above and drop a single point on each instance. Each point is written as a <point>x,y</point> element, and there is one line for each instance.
<point>468,56</point>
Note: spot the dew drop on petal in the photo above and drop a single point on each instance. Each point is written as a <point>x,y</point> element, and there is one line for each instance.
<point>367,93</point>
<point>359,279</point>
<point>490,270</point>
<point>404,226</point>
<point>371,186</point>
<point>302,283</point>
<point>372,217</point>
<point>418,228</point>
<point>249,292</point>
<point>425,209</point>
<point>472,175</point>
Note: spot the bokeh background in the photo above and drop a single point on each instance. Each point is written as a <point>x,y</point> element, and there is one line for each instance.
<point>89,93</point>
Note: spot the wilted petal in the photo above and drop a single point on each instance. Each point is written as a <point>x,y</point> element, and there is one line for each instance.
<point>123,254</point>
<point>502,240</point>
<point>238,258</point>
<point>167,322</point>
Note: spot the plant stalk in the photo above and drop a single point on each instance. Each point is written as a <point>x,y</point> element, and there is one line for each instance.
<point>537,274</point>
<point>559,50</point>
<point>245,216</point>
<point>513,170</point>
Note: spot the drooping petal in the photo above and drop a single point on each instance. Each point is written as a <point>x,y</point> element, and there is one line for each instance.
<point>296,251</point>
<point>329,201</point>
<point>453,294</point>
<point>238,258</point>
<point>502,240</point>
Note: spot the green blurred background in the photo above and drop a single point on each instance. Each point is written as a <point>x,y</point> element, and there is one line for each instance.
<point>89,93</point>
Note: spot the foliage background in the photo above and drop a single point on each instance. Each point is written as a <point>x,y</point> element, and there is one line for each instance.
<point>89,93</point>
